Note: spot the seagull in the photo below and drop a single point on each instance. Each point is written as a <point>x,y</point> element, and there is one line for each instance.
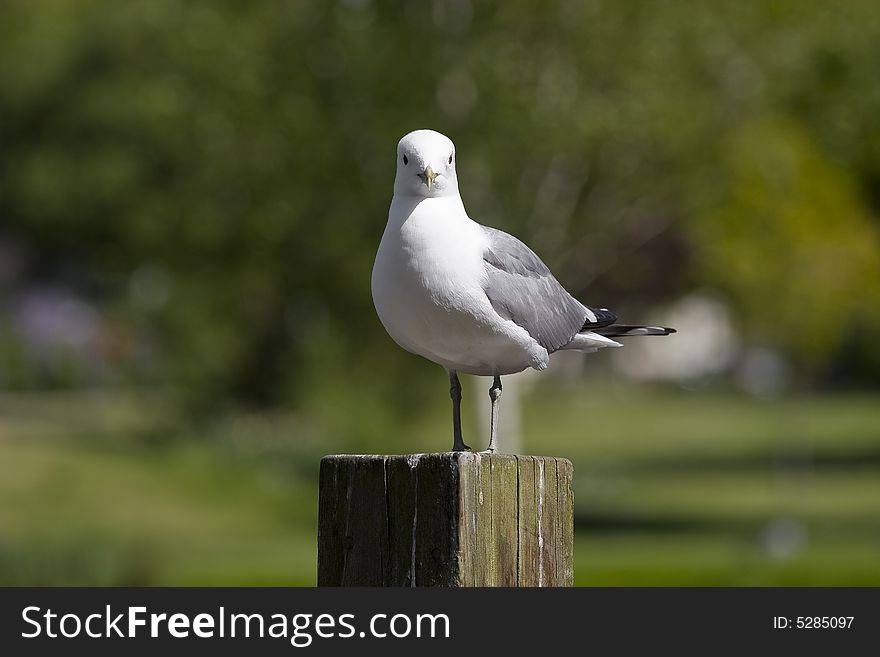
<point>468,297</point>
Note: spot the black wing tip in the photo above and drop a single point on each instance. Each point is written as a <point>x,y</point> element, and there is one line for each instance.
<point>606,325</point>
<point>604,317</point>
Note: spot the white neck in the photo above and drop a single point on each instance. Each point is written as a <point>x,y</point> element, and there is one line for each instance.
<point>404,206</point>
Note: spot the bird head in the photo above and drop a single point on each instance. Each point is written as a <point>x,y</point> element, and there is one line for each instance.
<point>426,165</point>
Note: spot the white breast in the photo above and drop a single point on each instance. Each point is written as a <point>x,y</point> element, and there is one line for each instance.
<point>427,287</point>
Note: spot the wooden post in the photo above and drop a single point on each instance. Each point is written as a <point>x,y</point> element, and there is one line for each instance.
<point>445,519</point>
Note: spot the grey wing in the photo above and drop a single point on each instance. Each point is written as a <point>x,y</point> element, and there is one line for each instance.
<point>521,288</point>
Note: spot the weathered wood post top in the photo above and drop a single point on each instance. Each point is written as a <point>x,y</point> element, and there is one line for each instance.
<point>445,519</point>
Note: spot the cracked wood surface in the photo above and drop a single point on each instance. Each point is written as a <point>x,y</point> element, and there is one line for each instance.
<point>445,519</point>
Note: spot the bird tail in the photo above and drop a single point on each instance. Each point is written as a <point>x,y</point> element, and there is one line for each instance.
<point>597,334</point>
<point>589,342</point>
<point>626,330</point>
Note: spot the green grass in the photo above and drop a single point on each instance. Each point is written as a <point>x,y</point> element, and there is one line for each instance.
<point>175,515</point>
<point>672,488</point>
<point>715,559</point>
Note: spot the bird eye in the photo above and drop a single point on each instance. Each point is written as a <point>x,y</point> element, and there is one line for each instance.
<point>450,159</point>
<point>405,161</point>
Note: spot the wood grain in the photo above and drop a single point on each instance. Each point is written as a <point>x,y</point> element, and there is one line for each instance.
<point>445,519</point>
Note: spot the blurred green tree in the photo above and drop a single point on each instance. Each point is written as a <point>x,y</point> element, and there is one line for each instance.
<point>215,175</point>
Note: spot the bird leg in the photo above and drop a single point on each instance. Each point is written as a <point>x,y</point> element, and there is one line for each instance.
<point>494,395</point>
<point>455,393</point>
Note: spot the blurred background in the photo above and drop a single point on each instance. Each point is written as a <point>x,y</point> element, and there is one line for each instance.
<point>191,195</point>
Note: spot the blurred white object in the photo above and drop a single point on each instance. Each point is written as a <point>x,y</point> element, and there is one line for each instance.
<point>783,538</point>
<point>762,372</point>
<point>710,348</point>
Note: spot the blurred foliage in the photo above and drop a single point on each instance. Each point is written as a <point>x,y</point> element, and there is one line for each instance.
<point>214,176</point>
<point>815,270</point>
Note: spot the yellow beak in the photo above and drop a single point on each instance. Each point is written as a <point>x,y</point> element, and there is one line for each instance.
<point>429,176</point>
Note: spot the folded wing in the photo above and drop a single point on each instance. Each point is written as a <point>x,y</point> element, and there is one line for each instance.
<point>521,288</point>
